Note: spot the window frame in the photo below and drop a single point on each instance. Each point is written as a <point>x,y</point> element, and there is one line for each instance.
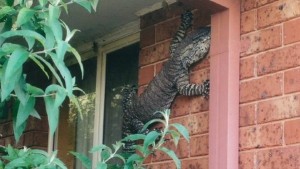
<point>104,50</point>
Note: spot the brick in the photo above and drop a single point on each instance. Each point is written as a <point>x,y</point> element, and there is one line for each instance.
<point>181,106</point>
<point>6,129</point>
<point>247,67</point>
<point>201,64</point>
<point>278,109</point>
<point>182,151</point>
<point>277,12</point>
<point>279,158</point>
<point>158,67</point>
<point>199,145</point>
<point>154,53</point>
<point>270,135</point>
<point>199,76</point>
<point>28,139</point>
<point>248,4</point>
<point>246,160</point>
<point>292,131</point>
<point>152,18</point>
<point>147,36</point>
<point>261,88</point>
<point>263,2</point>
<point>292,81</point>
<point>290,31</point>
<point>146,74</point>
<point>167,29</point>
<point>198,104</point>
<point>247,115</point>
<point>164,165</point>
<point>198,123</point>
<point>277,60</point>
<point>248,138</point>
<point>195,163</point>
<point>40,139</point>
<point>248,21</point>
<point>261,40</point>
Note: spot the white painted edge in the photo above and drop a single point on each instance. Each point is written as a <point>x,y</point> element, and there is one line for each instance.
<point>100,86</point>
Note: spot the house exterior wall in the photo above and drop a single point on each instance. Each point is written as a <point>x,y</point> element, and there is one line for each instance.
<point>35,134</point>
<point>157,30</point>
<point>269,84</point>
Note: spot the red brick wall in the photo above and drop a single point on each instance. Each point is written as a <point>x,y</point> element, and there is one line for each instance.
<point>270,84</point>
<point>157,30</point>
<point>34,136</point>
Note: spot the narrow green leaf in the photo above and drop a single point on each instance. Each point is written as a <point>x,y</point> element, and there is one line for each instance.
<point>84,3</point>
<point>17,163</point>
<point>152,122</point>
<point>50,39</point>
<point>171,154</point>
<point>8,84</point>
<point>100,148</point>
<point>24,111</point>
<point>24,33</point>
<point>150,138</point>
<point>33,90</point>
<point>134,157</point>
<point>25,14</point>
<point>95,4</point>
<point>7,27</point>
<point>101,165</point>
<point>53,71</point>
<point>52,104</point>
<point>175,136</point>
<point>53,22</point>
<point>40,65</point>
<point>20,89</point>
<point>15,62</point>
<point>17,130</point>
<point>61,50</point>
<point>182,130</point>
<point>59,163</point>
<point>134,137</point>
<point>78,58</point>
<point>6,10</point>
<point>43,2</point>
<point>86,162</point>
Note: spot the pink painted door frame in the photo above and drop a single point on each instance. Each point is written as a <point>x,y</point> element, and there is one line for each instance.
<point>224,76</point>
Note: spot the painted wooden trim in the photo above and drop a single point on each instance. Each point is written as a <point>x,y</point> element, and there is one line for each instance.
<point>224,75</point>
<point>100,87</point>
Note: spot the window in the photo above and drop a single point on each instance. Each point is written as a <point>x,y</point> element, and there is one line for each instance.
<point>116,66</point>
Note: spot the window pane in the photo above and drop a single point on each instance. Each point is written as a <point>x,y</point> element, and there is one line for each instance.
<point>121,69</point>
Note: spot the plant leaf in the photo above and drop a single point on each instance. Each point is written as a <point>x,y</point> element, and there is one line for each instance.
<point>150,138</point>
<point>53,103</point>
<point>8,85</point>
<point>24,111</point>
<point>25,14</point>
<point>84,3</point>
<point>182,130</point>
<point>134,137</point>
<point>86,162</point>
<point>171,154</point>
<point>78,58</point>
<point>175,135</point>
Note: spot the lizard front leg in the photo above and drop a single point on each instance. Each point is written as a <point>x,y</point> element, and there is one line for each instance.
<point>190,89</point>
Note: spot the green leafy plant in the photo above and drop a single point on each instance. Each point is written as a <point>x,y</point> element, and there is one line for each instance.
<point>32,31</point>
<point>12,158</point>
<point>151,143</point>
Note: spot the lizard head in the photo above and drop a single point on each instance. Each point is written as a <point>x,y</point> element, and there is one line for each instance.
<point>195,46</point>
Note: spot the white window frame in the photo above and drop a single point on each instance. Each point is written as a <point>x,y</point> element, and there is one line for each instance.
<point>104,50</point>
